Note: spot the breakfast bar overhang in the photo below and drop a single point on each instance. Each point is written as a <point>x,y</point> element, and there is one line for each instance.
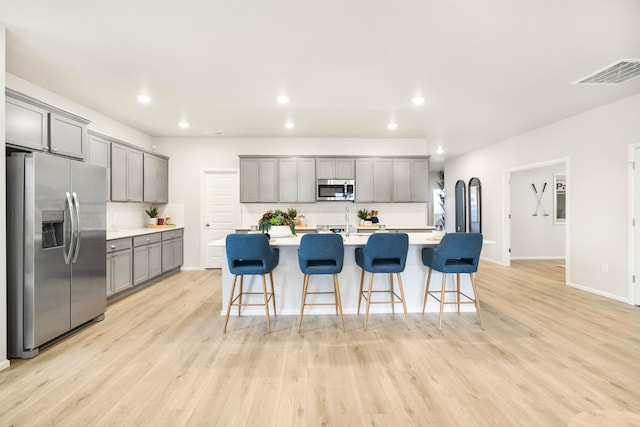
<point>288,280</point>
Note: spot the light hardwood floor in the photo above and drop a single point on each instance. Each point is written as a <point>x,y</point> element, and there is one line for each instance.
<point>548,353</point>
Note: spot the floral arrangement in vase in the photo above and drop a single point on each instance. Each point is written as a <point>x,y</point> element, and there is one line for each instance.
<point>152,213</point>
<point>275,218</point>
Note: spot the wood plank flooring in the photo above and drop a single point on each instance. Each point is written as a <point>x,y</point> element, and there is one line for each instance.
<point>548,353</point>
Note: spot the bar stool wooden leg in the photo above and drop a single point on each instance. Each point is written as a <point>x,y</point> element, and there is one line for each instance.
<point>240,296</point>
<point>233,289</point>
<point>476,299</point>
<point>273,295</point>
<point>339,299</point>
<point>458,289</point>
<point>366,317</point>
<point>304,299</point>
<point>393,304</point>
<point>404,304</point>
<point>360,293</point>
<point>266,302</point>
<point>444,282</point>
<point>335,294</point>
<point>426,291</point>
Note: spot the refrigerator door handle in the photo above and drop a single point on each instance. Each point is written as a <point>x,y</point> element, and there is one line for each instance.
<point>72,244</point>
<point>76,203</point>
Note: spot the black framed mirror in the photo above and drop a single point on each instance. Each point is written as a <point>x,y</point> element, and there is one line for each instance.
<point>475,206</point>
<point>461,207</point>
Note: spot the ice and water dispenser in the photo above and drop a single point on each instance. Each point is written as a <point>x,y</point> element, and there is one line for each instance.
<point>52,229</point>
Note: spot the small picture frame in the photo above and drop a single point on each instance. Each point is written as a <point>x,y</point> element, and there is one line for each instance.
<point>560,198</point>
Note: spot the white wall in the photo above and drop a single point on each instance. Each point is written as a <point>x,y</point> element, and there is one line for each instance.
<point>596,144</point>
<point>4,363</point>
<point>189,156</point>
<point>535,237</point>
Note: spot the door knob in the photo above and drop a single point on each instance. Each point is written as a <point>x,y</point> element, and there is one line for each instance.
<point>207,224</point>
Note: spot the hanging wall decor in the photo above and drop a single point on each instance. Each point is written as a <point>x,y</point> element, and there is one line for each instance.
<point>461,207</point>
<point>475,204</point>
<point>560,198</point>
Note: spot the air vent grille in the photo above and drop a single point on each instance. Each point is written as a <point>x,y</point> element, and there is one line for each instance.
<point>616,73</point>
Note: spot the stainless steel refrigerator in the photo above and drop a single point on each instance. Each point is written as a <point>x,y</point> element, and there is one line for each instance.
<point>56,249</point>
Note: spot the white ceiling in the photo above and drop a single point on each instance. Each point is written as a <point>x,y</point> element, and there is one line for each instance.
<point>488,69</point>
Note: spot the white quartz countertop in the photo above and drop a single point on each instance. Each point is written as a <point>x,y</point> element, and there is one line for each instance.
<point>355,239</point>
<point>132,232</point>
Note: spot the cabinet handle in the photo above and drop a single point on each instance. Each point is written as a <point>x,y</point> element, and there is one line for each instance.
<point>148,240</point>
<point>113,246</point>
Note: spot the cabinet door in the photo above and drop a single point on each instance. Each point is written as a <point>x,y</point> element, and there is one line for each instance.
<point>67,137</point>
<point>306,180</point>
<point>167,255</point>
<point>134,175</point>
<point>118,173</point>
<point>177,252</point>
<point>364,180</point>
<point>420,180</point>
<point>345,168</point>
<point>249,180</point>
<point>26,125</point>
<point>140,264</point>
<point>326,168</point>
<point>382,180</point>
<point>109,281</point>
<point>100,155</point>
<point>268,180</point>
<point>288,180</point>
<point>155,259</point>
<point>150,183</point>
<point>121,269</point>
<point>402,187</point>
<point>162,180</point>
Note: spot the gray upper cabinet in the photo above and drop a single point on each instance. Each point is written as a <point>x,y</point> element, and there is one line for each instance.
<point>259,180</point>
<point>297,180</point>
<point>26,125</point>
<point>39,126</point>
<point>374,180</point>
<point>100,155</point>
<point>67,137</point>
<point>126,174</point>
<point>156,179</point>
<point>335,168</point>
<point>410,180</point>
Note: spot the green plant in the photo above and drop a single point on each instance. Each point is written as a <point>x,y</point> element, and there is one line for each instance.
<point>277,217</point>
<point>152,212</point>
<point>363,214</point>
<point>292,213</point>
<point>442,194</point>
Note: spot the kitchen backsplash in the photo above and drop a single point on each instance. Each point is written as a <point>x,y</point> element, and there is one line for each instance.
<point>127,216</point>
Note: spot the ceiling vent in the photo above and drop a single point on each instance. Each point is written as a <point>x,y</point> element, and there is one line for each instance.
<point>618,72</point>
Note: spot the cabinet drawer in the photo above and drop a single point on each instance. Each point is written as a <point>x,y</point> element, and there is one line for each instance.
<point>147,239</point>
<point>168,235</point>
<point>118,244</point>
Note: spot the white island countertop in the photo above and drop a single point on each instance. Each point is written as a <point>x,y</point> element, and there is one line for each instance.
<point>132,232</point>
<point>355,239</point>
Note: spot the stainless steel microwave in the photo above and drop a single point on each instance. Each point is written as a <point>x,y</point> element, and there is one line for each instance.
<point>335,189</point>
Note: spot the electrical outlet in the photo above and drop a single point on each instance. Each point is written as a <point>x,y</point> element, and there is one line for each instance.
<point>605,268</point>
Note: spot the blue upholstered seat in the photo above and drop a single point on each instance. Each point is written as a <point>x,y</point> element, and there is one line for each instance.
<point>383,253</point>
<point>457,253</point>
<point>321,254</point>
<point>251,254</point>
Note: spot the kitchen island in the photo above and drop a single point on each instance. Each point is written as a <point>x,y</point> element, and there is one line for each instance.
<point>287,280</point>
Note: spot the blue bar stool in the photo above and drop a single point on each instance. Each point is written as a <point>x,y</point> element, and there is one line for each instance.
<point>383,253</point>
<point>321,254</point>
<point>457,253</point>
<point>251,254</point>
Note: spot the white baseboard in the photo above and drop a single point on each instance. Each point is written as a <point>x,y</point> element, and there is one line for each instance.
<point>191,268</point>
<point>601,293</point>
<point>492,261</point>
<point>4,364</point>
<point>536,257</point>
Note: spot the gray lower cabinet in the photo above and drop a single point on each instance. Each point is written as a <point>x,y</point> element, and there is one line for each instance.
<point>147,257</point>
<point>172,250</point>
<point>119,265</point>
<point>297,180</point>
<point>126,174</point>
<point>156,179</point>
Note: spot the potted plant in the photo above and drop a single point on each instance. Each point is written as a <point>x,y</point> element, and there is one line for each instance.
<point>363,214</point>
<point>277,223</point>
<point>152,212</point>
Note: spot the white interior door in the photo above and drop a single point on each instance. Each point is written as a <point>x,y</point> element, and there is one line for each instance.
<point>636,228</point>
<point>221,203</point>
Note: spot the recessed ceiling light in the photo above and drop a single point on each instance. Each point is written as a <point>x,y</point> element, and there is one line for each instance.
<point>183,124</point>
<point>417,100</point>
<point>289,125</point>
<point>439,150</point>
<point>144,99</point>
<point>392,126</point>
<point>283,99</point>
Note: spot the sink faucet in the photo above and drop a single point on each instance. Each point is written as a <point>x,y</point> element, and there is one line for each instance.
<point>346,217</point>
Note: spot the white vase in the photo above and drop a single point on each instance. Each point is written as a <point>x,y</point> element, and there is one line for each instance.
<point>279,231</point>
<point>152,221</point>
